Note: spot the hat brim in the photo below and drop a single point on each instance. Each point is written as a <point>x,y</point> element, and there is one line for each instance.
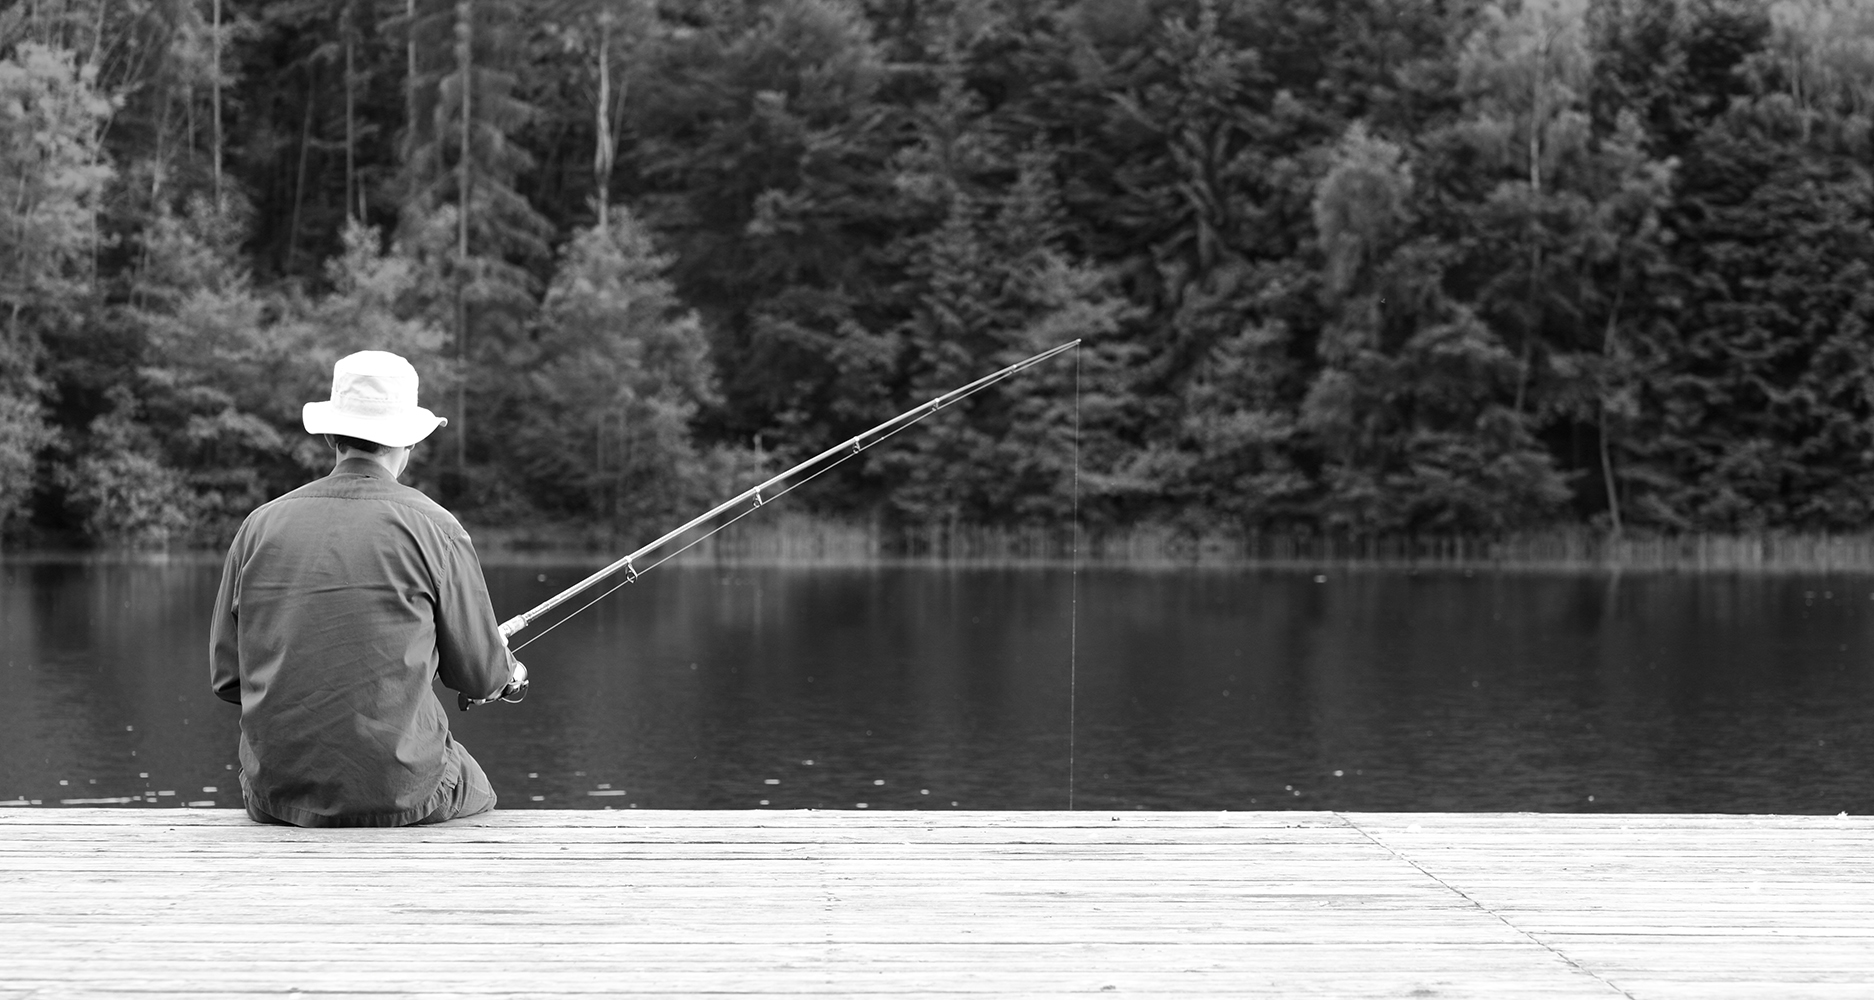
<point>397,431</point>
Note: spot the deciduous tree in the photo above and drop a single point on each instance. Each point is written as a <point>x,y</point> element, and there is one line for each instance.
<point>50,117</point>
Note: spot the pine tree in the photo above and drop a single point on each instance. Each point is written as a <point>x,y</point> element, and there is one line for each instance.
<point>761,158</point>
<point>996,287</point>
<point>460,151</point>
<point>622,368</point>
<point>1755,377</point>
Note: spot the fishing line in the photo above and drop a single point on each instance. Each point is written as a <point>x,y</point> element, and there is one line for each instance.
<point>636,571</point>
<point>1073,600</point>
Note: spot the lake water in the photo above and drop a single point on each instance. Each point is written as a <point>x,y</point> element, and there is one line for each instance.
<point>904,688</point>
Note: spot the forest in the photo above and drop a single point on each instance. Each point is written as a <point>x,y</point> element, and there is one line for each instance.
<point>1349,268</point>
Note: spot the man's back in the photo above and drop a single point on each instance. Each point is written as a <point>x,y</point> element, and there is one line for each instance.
<point>339,602</point>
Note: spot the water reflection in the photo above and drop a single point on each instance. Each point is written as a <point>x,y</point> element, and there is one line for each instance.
<point>898,688</point>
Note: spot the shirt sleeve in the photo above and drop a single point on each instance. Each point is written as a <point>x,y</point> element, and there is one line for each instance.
<point>473,657</point>
<point>224,651</point>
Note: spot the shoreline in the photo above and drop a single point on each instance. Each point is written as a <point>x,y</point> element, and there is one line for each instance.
<point>804,542</point>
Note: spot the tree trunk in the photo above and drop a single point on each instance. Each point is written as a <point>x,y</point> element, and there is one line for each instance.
<point>1607,455</point>
<point>409,100</point>
<point>351,127</point>
<point>464,57</point>
<point>602,152</point>
<point>1531,326</point>
<point>219,205</point>
<point>299,186</point>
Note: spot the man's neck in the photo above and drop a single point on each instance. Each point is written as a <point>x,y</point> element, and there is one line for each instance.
<point>385,460</point>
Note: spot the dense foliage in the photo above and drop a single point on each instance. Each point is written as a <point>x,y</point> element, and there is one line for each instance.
<point>1367,267</point>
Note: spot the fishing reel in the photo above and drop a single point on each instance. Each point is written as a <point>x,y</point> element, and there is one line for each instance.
<point>513,693</point>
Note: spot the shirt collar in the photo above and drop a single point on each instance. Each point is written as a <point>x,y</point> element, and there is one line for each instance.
<point>363,467</point>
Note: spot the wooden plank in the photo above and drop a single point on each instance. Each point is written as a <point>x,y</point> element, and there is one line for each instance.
<point>1343,986</point>
<point>15,838</point>
<point>831,821</point>
<point>689,928</point>
<point>1653,989</point>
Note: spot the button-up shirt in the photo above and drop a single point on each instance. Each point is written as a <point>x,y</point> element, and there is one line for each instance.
<point>339,602</point>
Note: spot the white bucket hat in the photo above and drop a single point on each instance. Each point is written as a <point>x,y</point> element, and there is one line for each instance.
<point>373,399</point>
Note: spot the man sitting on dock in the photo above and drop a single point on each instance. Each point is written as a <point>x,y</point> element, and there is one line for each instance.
<point>339,602</point>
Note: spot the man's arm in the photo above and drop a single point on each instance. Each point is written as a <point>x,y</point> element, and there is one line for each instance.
<point>472,655</point>
<point>224,652</point>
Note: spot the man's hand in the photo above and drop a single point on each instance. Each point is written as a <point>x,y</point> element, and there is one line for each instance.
<point>517,684</point>
<point>515,690</point>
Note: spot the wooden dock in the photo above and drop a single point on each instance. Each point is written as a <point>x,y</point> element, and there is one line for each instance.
<point>201,903</point>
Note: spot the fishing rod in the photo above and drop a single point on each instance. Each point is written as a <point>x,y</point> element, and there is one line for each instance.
<point>764,493</point>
